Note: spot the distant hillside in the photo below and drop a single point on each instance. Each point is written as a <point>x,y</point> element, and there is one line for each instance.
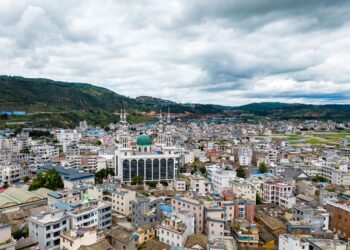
<point>35,95</point>
<point>46,95</point>
<point>64,104</point>
<point>153,101</point>
<point>297,111</point>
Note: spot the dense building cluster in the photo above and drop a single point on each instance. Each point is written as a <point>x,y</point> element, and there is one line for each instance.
<point>194,184</point>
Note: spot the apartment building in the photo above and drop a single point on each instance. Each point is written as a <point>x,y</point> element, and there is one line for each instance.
<point>11,173</point>
<point>180,185</point>
<point>337,174</point>
<point>67,138</point>
<point>200,184</point>
<point>274,190</point>
<point>46,228</point>
<point>243,188</point>
<point>77,239</point>
<point>119,197</point>
<point>145,210</point>
<point>92,214</point>
<point>67,195</point>
<point>174,230</point>
<point>180,203</point>
<point>317,218</point>
<point>244,155</point>
<point>340,217</point>
<point>220,180</point>
<point>215,220</point>
<point>246,233</point>
<point>291,242</point>
<point>45,150</point>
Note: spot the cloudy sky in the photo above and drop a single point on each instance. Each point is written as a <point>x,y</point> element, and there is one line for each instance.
<point>227,52</point>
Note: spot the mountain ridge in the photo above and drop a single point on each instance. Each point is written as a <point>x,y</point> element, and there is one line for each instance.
<point>38,95</point>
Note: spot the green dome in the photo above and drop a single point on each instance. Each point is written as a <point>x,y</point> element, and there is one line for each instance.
<point>144,140</point>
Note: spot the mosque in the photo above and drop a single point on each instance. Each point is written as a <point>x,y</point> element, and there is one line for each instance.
<point>156,160</point>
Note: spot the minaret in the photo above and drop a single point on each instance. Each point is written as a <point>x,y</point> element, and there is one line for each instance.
<point>168,118</point>
<point>160,116</point>
<point>124,137</point>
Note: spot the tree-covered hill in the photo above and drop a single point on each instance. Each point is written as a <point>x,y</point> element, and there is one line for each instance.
<point>35,95</point>
<point>64,104</point>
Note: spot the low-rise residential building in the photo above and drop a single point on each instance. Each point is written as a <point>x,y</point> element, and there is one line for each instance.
<point>243,188</point>
<point>287,202</point>
<point>220,179</point>
<point>340,217</point>
<point>66,195</point>
<point>174,231</point>
<point>11,173</point>
<point>71,177</point>
<point>46,228</point>
<point>75,239</point>
<point>91,214</point>
<point>119,197</point>
<point>215,220</point>
<point>121,239</point>
<point>145,210</point>
<point>317,218</point>
<point>246,233</point>
<point>291,242</point>
<point>200,184</point>
<point>274,190</point>
<point>145,233</point>
<point>180,185</point>
<point>181,203</point>
<point>6,240</point>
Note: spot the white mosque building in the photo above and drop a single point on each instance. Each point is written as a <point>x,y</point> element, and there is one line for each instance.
<point>153,160</point>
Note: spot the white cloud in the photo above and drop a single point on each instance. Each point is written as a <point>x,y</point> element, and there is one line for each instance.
<point>227,52</point>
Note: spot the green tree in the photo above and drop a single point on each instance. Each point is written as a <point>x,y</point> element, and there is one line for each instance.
<point>25,150</point>
<point>48,179</point>
<point>26,178</point>
<point>318,178</point>
<point>258,199</point>
<point>97,143</point>
<point>262,167</point>
<point>203,170</point>
<point>4,116</point>
<point>164,183</point>
<point>103,174</point>
<point>137,180</point>
<point>144,193</point>
<point>152,184</point>
<point>240,172</point>
<point>20,233</point>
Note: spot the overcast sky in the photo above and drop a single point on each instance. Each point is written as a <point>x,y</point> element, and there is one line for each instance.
<point>224,52</point>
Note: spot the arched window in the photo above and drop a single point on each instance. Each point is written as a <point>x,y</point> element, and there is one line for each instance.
<point>126,170</point>
<point>170,168</point>
<point>163,168</point>
<point>149,169</point>
<point>141,168</point>
<point>133,168</point>
<point>156,169</point>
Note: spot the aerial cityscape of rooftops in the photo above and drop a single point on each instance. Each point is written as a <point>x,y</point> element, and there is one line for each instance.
<point>174,125</point>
